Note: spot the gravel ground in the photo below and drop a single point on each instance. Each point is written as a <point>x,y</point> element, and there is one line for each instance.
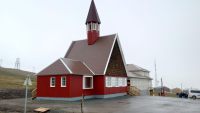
<point>13,93</point>
<point>126,104</point>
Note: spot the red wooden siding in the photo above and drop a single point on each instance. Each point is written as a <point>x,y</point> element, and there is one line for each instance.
<point>113,90</point>
<point>44,89</point>
<point>74,87</point>
<point>99,84</point>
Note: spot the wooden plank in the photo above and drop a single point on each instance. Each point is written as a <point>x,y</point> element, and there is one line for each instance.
<point>41,110</point>
<point>133,91</point>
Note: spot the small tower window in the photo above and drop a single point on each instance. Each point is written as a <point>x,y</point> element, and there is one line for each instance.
<point>92,26</point>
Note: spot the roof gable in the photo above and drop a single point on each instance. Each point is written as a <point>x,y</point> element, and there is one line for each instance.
<point>95,56</point>
<point>56,67</point>
<point>77,67</point>
<point>66,66</point>
<point>116,65</point>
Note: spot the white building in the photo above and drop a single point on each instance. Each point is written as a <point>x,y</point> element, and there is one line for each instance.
<point>139,78</point>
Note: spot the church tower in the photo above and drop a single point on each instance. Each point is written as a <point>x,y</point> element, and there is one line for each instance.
<point>93,24</point>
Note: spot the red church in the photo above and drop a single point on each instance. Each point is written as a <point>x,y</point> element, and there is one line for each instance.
<point>93,67</point>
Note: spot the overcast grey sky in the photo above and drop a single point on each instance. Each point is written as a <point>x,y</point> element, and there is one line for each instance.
<point>40,31</point>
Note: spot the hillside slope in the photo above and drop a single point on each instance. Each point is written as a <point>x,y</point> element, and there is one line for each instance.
<point>14,79</point>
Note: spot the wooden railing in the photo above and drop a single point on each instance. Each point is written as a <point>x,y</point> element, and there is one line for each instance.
<point>133,91</point>
<point>34,93</point>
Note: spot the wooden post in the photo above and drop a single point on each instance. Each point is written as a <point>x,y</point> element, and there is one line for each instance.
<point>82,101</point>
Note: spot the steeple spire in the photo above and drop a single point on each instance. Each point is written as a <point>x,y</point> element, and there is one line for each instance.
<point>92,24</point>
<point>93,14</point>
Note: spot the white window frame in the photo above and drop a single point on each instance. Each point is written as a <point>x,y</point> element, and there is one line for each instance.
<point>108,81</point>
<point>84,82</point>
<point>51,78</point>
<point>116,81</point>
<point>61,81</point>
<point>112,81</point>
<point>120,81</point>
<point>124,81</point>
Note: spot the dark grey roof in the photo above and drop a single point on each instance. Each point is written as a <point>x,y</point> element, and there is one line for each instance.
<point>77,67</point>
<point>56,67</point>
<point>82,58</point>
<point>135,75</point>
<point>66,66</point>
<point>134,68</point>
<point>96,56</point>
<point>93,14</point>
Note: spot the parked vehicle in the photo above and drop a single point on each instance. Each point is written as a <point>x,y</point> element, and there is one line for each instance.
<point>183,94</point>
<point>194,94</point>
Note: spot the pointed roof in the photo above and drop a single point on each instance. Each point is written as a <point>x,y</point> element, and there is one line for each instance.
<point>93,14</point>
<point>96,56</point>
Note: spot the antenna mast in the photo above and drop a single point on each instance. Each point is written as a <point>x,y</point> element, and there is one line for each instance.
<point>1,61</point>
<point>17,63</point>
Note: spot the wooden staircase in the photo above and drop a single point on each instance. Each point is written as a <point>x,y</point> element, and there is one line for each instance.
<point>133,91</point>
<point>34,93</point>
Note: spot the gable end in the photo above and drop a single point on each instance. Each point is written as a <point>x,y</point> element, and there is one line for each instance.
<point>116,64</point>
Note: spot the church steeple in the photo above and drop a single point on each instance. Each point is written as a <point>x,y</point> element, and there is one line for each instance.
<point>93,14</point>
<point>92,23</point>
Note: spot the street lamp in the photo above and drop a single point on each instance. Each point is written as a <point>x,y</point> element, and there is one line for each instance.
<point>27,83</point>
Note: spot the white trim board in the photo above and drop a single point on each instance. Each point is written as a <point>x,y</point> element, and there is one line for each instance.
<point>66,66</point>
<point>110,55</point>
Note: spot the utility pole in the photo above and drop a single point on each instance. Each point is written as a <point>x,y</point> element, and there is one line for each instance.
<point>181,87</point>
<point>162,88</point>
<point>156,81</point>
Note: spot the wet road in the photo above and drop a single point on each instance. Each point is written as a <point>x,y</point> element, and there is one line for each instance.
<point>126,104</point>
<point>144,105</point>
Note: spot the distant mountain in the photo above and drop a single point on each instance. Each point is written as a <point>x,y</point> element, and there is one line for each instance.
<point>14,78</point>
